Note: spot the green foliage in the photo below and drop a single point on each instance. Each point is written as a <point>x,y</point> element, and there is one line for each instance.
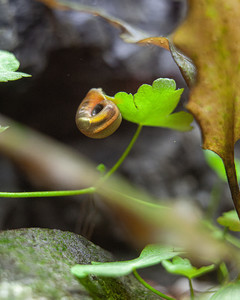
<point>153,106</point>
<point>151,255</point>
<point>228,292</point>
<point>2,128</point>
<point>215,162</point>
<point>182,266</point>
<point>230,220</point>
<point>101,168</point>
<point>8,66</point>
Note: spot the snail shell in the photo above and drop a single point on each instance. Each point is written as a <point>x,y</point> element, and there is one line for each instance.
<point>96,116</point>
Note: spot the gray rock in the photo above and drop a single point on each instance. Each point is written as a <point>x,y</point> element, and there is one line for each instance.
<point>35,264</point>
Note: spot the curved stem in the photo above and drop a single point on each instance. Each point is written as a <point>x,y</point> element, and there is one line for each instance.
<point>148,286</point>
<point>89,190</point>
<point>125,153</point>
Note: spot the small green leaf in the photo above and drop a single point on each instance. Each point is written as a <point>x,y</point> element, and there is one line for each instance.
<point>151,255</point>
<point>8,65</point>
<point>153,106</point>
<point>230,219</point>
<point>2,128</point>
<point>228,292</point>
<point>182,266</point>
<point>215,162</point>
<point>101,168</point>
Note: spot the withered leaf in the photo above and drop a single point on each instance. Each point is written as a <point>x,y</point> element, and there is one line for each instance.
<point>211,37</point>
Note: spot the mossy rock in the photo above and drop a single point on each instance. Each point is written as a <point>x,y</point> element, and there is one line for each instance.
<point>35,264</point>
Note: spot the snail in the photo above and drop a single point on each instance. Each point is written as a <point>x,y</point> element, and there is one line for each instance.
<point>97,117</point>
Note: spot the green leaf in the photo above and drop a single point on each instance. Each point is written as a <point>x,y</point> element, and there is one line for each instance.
<point>153,106</point>
<point>182,266</point>
<point>151,255</point>
<point>101,168</point>
<point>228,292</point>
<point>8,66</point>
<point>2,128</point>
<point>215,162</point>
<point>230,219</point>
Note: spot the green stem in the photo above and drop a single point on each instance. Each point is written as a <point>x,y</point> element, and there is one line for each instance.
<point>89,190</point>
<point>125,154</point>
<point>232,239</point>
<point>191,288</point>
<point>224,233</point>
<point>224,273</point>
<point>228,237</point>
<point>148,286</point>
<point>214,201</point>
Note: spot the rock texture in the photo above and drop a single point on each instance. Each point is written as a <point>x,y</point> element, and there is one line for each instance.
<point>35,264</point>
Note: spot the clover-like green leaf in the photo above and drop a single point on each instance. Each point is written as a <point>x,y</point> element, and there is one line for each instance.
<point>151,255</point>
<point>182,266</point>
<point>8,66</point>
<point>230,219</point>
<point>227,292</point>
<point>153,106</point>
<point>2,128</point>
<point>216,164</point>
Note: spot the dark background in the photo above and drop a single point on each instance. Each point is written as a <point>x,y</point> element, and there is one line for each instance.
<point>68,53</point>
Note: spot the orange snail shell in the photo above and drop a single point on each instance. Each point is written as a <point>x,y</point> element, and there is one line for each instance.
<point>96,116</point>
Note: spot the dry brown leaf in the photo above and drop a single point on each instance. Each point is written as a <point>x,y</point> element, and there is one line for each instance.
<point>211,37</point>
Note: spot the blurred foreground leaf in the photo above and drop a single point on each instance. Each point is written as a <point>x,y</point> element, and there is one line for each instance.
<point>228,292</point>
<point>182,266</point>
<point>230,220</point>
<point>50,164</point>
<point>211,37</point>
<point>8,66</point>
<point>40,156</point>
<point>2,128</point>
<point>151,255</point>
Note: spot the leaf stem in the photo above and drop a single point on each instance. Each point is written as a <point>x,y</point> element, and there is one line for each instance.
<point>191,288</point>
<point>149,287</point>
<point>233,182</point>
<point>214,201</point>
<point>125,153</point>
<point>224,272</point>
<point>89,190</point>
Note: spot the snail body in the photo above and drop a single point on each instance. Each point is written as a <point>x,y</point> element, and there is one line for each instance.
<point>96,116</point>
